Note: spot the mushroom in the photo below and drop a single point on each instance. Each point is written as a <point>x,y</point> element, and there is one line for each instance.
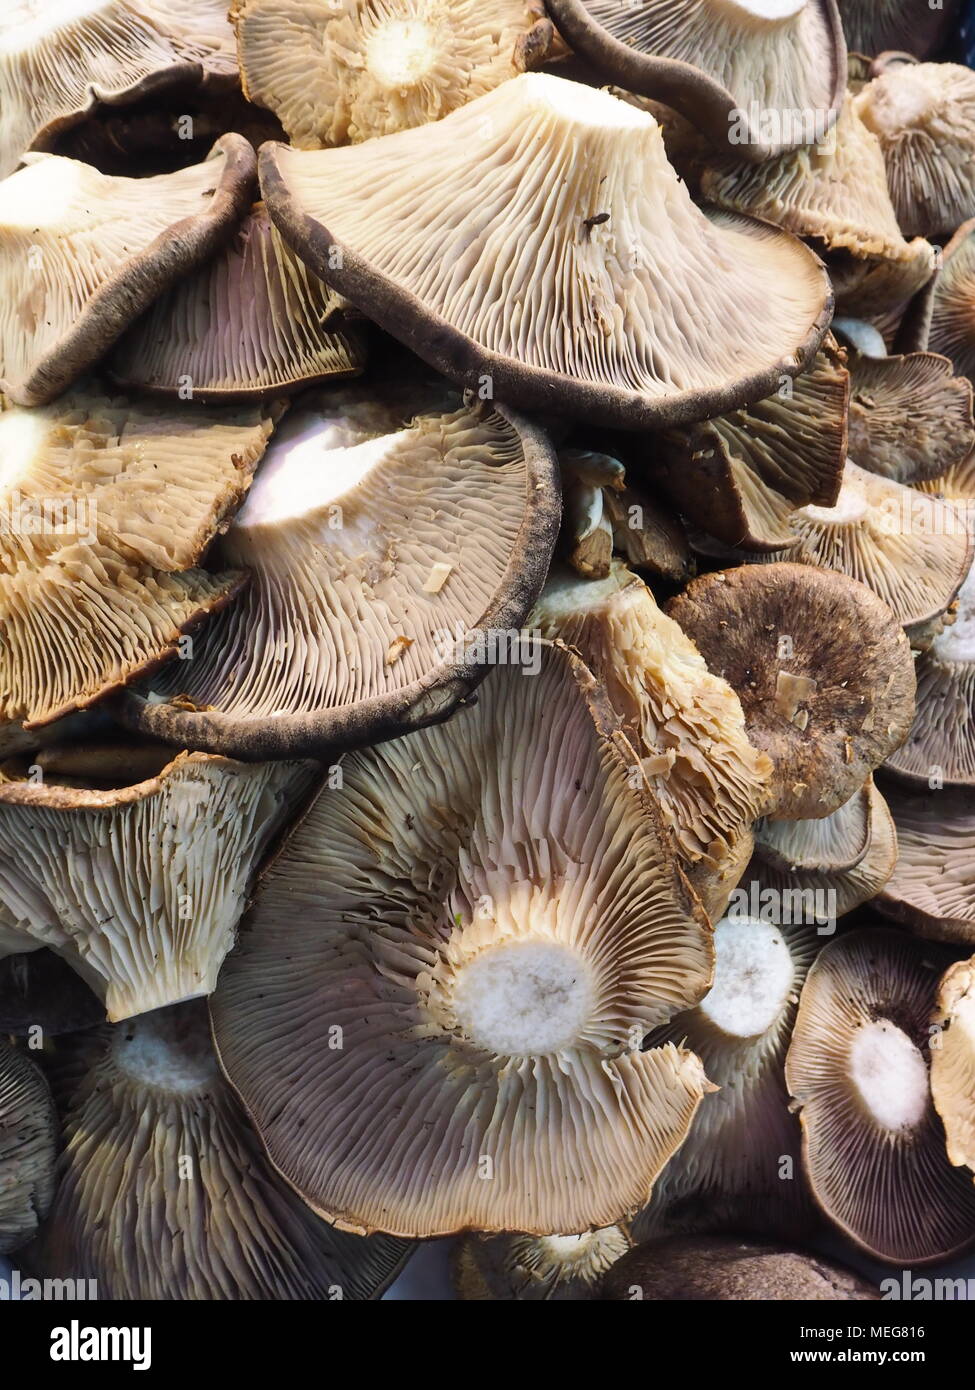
<point>876,26</point>
<point>932,889</point>
<point>530,1269</point>
<point>740,476</point>
<point>140,888</point>
<point>953,1062</point>
<point>923,114</point>
<point>952,324</point>
<point>685,723</point>
<point>83,254</point>
<point>338,73</point>
<point>105,505</point>
<point>822,668</point>
<point>709,1268</point>
<point>604,513</point>
<point>762,74</point>
<point>873,1145</point>
<point>739,1167</point>
<point>157,1142</point>
<point>60,60</point>
<point>28,1147</point>
<point>465,946</point>
<point>253,322</point>
<point>40,991</point>
<point>910,416</point>
<point>391,558</point>
<point>600,304</point>
<point>940,748</point>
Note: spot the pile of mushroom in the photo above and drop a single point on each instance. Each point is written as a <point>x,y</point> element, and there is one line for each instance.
<point>487,646</point>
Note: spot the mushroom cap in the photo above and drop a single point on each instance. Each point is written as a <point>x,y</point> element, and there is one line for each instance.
<point>40,990</point>
<point>910,416</point>
<point>952,329</point>
<point>857,1067</point>
<point>740,70</point>
<point>337,73</point>
<point>532,1269</point>
<point>835,842</point>
<point>932,889</point>
<point>62,59</point>
<point>824,739</point>
<point>876,26</point>
<point>940,748</point>
<point>709,1268</point>
<point>583,324</point>
<point>28,1147</point>
<point>82,255</point>
<point>490,919</point>
<point>740,476</point>
<point>140,888</point>
<point>157,1141</point>
<point>251,323</point>
<point>730,1174</point>
<point>686,724</point>
<point>953,1062</point>
<point>105,504</point>
<point>389,556</point>
<point>924,117</point>
<point>913,550</point>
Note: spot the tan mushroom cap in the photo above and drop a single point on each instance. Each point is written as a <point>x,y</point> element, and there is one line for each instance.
<point>953,1062</point>
<point>390,555</point>
<point>740,476</point>
<point>924,117</point>
<point>156,1142</point>
<point>685,723</point>
<point>140,888</point>
<point>532,1269</point>
<point>600,304</point>
<point>252,322</point>
<point>910,416</point>
<point>339,71</point>
<point>952,328</point>
<point>857,1067</point>
<point>753,73</point>
<point>911,549</point>
<point>941,742</point>
<point>876,26</point>
<point>83,254</point>
<point>822,668</point>
<point>932,889</point>
<point>107,504</point>
<point>710,1268</point>
<point>61,59</point>
<point>28,1147</point>
<point>486,918</point>
<point>730,1172</point>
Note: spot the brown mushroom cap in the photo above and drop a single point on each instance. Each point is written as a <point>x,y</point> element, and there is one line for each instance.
<point>485,919</point>
<point>610,316</point>
<point>685,723</point>
<point>857,1067</point>
<point>532,1269</point>
<point>924,117</point>
<point>106,505</point>
<point>156,1142</point>
<point>337,74</point>
<point>252,322</point>
<point>823,671</point>
<point>876,26</point>
<point>952,329</point>
<point>953,1062</point>
<point>740,476</point>
<point>28,1147</point>
<point>746,72</point>
<point>910,416</point>
<point>140,888</point>
<point>932,889</point>
<point>83,254</point>
<point>389,556</point>
<point>709,1268</point>
<point>61,59</point>
<point>731,1173</point>
<point>40,990</point>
